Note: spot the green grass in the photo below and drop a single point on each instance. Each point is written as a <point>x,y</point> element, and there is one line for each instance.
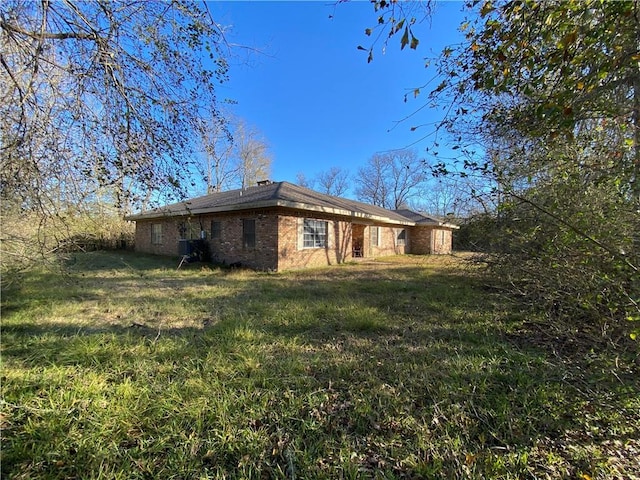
<point>128,368</point>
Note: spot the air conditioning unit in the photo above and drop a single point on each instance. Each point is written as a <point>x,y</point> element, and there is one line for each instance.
<point>186,247</point>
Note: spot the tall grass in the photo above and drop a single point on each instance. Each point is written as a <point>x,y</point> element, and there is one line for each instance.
<point>128,368</point>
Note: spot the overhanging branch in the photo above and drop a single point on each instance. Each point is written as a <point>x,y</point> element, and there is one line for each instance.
<point>48,35</point>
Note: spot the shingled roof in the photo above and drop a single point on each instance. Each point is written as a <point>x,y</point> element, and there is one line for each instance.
<point>423,219</point>
<point>282,194</point>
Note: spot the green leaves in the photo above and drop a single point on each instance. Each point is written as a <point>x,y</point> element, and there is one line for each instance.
<point>405,38</point>
<point>404,41</point>
<point>486,9</point>
<point>553,86</point>
<point>414,42</point>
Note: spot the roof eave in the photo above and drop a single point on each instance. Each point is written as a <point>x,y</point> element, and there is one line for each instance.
<point>267,204</point>
<point>343,213</point>
<point>201,211</point>
<point>439,224</point>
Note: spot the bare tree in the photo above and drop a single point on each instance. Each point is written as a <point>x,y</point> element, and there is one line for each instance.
<point>217,146</point>
<point>234,155</point>
<point>253,162</point>
<point>456,196</point>
<point>303,181</point>
<point>334,181</point>
<point>391,179</point>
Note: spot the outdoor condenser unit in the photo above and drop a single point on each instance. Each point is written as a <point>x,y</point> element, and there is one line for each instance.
<point>186,247</point>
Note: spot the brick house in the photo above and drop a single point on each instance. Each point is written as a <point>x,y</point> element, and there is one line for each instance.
<point>281,226</point>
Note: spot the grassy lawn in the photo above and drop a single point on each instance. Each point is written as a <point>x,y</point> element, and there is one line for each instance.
<point>407,368</point>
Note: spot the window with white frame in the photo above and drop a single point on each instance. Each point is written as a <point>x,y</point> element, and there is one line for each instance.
<point>156,234</point>
<point>402,237</point>
<point>375,236</point>
<point>314,233</point>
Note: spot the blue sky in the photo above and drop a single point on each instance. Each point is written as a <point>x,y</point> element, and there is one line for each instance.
<point>311,93</point>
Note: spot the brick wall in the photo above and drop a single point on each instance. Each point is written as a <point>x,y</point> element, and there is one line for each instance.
<point>277,239</point>
<point>168,241</point>
<point>387,242</point>
<point>420,240</point>
<point>229,248</point>
<point>430,240</point>
<point>291,254</point>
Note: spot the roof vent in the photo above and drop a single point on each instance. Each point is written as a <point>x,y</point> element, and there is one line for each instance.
<point>264,182</point>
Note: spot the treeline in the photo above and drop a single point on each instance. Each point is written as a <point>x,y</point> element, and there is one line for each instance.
<point>543,103</point>
<point>558,85</point>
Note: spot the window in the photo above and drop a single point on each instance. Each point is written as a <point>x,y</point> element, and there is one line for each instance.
<point>156,234</point>
<point>249,233</point>
<point>315,234</point>
<point>216,230</point>
<point>375,236</point>
<point>402,237</point>
<point>189,231</point>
